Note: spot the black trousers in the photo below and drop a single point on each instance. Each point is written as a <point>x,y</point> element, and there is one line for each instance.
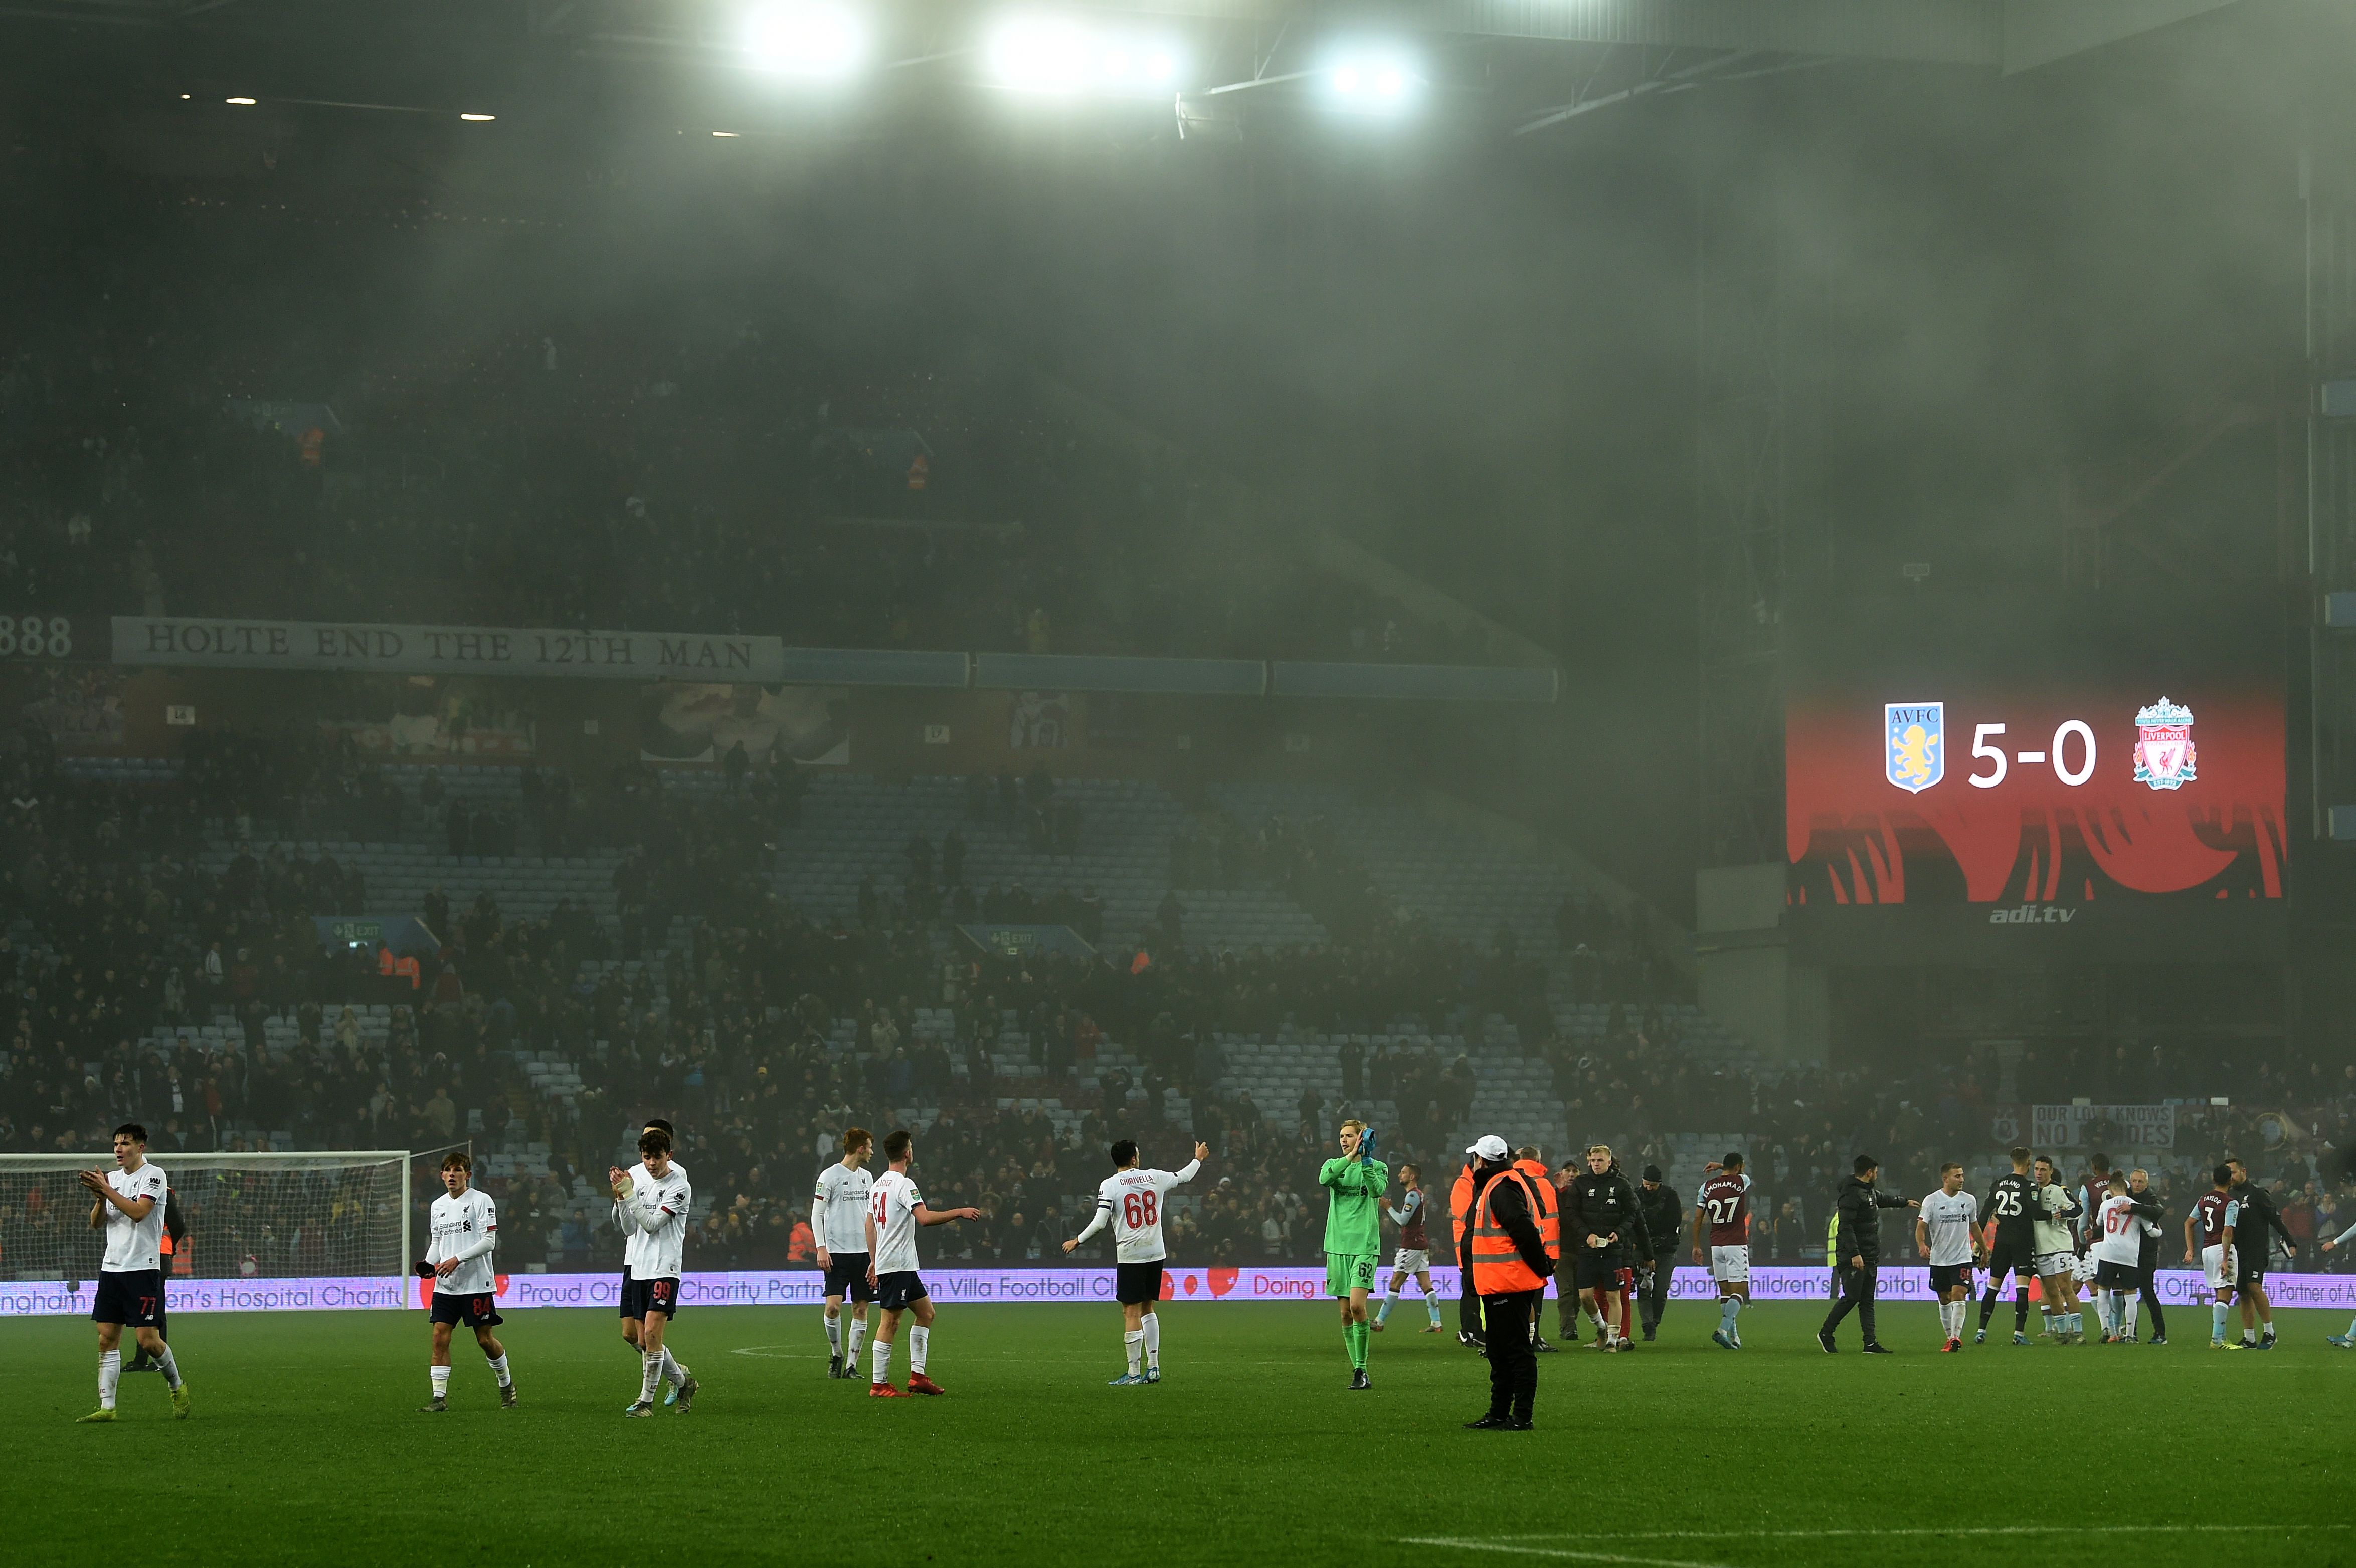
<point>1468,1306</point>
<point>1857,1295</point>
<point>1512,1365</point>
<point>1653,1295</point>
<point>2150,1286</point>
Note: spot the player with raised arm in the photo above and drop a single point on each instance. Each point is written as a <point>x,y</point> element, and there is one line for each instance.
<point>129,1206</point>
<point>2012,1210</point>
<point>2057,1253</point>
<point>1130,1201</point>
<point>1722,1216</point>
<point>1354,1182</point>
<point>2205,1229</point>
<point>652,1216</point>
<point>838,1220</point>
<point>895,1210</point>
<point>1948,1232</point>
<point>466,1229</point>
<point>1414,1249</point>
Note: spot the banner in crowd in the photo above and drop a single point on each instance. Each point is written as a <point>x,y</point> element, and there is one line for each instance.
<point>702,721</point>
<point>81,711</point>
<point>430,735</point>
<point>2131,1127</point>
<point>444,650</point>
<point>963,1286</point>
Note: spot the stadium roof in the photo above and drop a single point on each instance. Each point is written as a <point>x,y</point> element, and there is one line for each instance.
<point>2012,35</point>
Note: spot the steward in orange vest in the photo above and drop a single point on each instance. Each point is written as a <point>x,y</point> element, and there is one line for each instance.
<point>1528,1162</point>
<point>1460,1209</point>
<point>1506,1251</point>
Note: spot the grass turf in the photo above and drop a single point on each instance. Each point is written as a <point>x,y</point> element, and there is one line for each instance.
<point>307,1446</point>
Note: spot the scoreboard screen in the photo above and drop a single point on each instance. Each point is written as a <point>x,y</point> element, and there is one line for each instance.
<point>2039,799</point>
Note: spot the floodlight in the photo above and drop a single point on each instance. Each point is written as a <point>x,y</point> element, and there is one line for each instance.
<point>1054,55</point>
<point>241,102</point>
<point>1372,80</point>
<point>479,119</point>
<point>813,40</point>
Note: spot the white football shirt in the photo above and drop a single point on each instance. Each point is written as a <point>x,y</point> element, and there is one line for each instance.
<point>845,1222</point>
<point>133,1245</point>
<point>1949,1218</point>
<point>1130,1201</point>
<point>892,1204</point>
<point>662,1202</point>
<point>2120,1238</point>
<point>464,1224</point>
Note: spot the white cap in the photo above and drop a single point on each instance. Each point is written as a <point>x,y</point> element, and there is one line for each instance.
<point>1491,1147</point>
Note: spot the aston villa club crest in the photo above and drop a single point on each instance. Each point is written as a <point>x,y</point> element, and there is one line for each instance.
<point>2164,754</point>
<point>1914,744</point>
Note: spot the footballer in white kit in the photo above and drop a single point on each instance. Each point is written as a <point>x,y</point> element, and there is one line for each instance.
<point>838,1220</point>
<point>895,1210</point>
<point>1948,1232</point>
<point>1130,1201</point>
<point>129,1204</point>
<point>650,1209</point>
<point>465,1226</point>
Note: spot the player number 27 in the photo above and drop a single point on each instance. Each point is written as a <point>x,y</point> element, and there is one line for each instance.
<point>1721,1211</point>
<point>1138,1210</point>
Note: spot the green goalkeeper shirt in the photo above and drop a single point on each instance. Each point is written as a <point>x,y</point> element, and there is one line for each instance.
<point>1353,1213</point>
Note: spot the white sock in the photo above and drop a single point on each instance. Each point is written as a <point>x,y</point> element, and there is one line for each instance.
<point>171,1368</point>
<point>2217,1312</point>
<point>857,1337</point>
<point>110,1372</point>
<point>883,1361</point>
<point>918,1341</point>
<point>499,1369</point>
<point>834,1337</point>
<point>2128,1314</point>
<point>1154,1340</point>
<point>441,1376</point>
<point>652,1379</point>
<point>1132,1344</point>
<point>672,1370</point>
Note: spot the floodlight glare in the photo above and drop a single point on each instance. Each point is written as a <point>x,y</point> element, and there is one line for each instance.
<point>1373,82</point>
<point>813,40</point>
<point>1055,56</point>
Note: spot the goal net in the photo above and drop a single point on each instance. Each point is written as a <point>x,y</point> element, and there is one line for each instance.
<point>256,1216</point>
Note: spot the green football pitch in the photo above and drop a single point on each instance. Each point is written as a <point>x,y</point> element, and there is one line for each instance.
<point>308,1446</point>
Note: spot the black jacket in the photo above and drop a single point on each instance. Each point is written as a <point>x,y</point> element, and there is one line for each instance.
<point>1606,1206</point>
<point>1512,1208</point>
<point>2258,1216</point>
<point>1858,1203</point>
<point>1663,1216</point>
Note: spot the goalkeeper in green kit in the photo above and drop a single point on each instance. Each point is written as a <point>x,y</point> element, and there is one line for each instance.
<point>1355,1185</point>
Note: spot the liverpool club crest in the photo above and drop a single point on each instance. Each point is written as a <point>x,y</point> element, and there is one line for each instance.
<point>2164,754</point>
<point>1914,743</point>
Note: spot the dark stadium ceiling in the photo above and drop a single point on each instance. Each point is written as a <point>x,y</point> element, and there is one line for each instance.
<point>1509,66</point>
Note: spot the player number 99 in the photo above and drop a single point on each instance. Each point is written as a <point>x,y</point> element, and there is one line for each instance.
<point>31,637</point>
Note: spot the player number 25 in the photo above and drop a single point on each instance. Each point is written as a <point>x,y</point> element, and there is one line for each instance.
<point>1138,1209</point>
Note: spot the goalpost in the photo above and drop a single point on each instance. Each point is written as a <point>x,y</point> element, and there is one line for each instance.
<point>342,1213</point>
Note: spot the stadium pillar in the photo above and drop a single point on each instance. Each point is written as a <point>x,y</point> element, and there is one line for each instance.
<point>1751,981</point>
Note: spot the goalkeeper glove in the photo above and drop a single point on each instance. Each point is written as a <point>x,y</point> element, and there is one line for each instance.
<point>1366,1146</point>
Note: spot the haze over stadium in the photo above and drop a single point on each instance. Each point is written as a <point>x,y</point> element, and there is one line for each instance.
<point>1652,702</point>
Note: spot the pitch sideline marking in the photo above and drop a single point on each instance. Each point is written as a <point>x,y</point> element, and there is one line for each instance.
<point>1496,1542</point>
<point>1559,1553</point>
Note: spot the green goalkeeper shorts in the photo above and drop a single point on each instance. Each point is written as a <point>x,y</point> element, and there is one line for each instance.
<point>1346,1271</point>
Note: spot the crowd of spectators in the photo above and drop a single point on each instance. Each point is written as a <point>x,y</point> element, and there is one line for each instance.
<point>169,449</point>
<point>764,1030</point>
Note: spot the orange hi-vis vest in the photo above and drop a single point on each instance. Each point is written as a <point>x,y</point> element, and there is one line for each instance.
<point>1497,1265</point>
<point>1549,1211</point>
<point>1459,1205</point>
